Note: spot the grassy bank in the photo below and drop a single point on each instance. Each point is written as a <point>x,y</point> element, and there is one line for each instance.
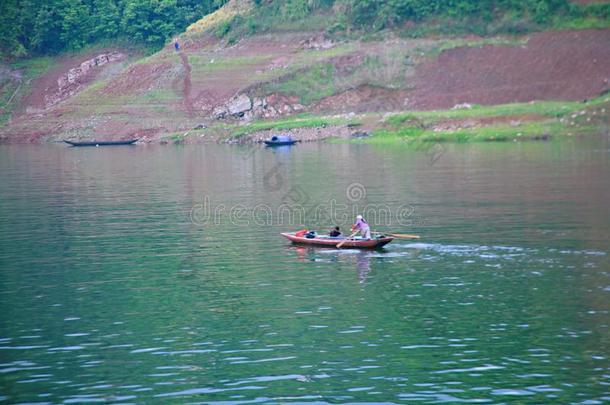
<point>509,122</point>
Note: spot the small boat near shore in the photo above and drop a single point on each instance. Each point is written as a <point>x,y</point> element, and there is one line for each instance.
<point>101,143</point>
<point>280,140</point>
<point>329,241</point>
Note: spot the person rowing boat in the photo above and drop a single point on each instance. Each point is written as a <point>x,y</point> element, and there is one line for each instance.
<point>362,226</point>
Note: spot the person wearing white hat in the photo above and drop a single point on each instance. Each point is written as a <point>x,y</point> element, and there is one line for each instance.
<point>362,226</point>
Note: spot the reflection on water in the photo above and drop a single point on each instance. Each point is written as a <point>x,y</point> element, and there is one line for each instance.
<point>358,259</point>
<point>109,293</point>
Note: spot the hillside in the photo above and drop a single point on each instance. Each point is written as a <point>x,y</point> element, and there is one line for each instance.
<point>219,88</point>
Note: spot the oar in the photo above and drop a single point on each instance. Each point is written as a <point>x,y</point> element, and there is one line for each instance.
<point>400,235</point>
<point>345,240</point>
<point>403,235</point>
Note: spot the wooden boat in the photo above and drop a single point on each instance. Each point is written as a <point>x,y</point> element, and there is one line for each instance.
<point>329,241</point>
<point>280,140</point>
<point>101,143</point>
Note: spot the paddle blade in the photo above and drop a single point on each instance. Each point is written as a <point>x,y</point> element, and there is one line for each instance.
<point>404,235</point>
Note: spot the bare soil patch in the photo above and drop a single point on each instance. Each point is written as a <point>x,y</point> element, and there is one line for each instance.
<point>363,99</point>
<point>569,65</point>
<point>137,78</point>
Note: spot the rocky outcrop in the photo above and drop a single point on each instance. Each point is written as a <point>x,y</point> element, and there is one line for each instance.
<point>317,42</point>
<point>243,107</point>
<point>69,83</point>
<point>239,105</point>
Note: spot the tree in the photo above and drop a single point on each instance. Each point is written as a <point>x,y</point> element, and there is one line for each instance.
<point>76,27</point>
<point>47,29</point>
<point>10,32</point>
<point>105,19</point>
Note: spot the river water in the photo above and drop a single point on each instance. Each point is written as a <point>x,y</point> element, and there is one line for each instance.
<point>151,274</point>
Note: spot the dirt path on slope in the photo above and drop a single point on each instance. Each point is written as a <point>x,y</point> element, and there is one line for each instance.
<point>186,92</point>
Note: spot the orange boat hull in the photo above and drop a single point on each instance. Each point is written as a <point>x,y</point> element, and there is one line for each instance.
<point>332,242</point>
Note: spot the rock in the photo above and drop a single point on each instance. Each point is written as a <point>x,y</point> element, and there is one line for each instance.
<point>248,115</point>
<point>238,105</point>
<point>515,123</point>
<point>219,112</point>
<point>200,126</point>
<point>463,106</point>
<point>270,112</point>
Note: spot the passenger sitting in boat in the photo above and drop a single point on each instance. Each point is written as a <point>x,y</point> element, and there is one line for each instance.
<point>301,233</point>
<point>335,232</point>
<point>362,226</point>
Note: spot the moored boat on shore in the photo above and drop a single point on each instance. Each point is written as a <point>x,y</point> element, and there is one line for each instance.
<point>280,140</point>
<point>101,143</point>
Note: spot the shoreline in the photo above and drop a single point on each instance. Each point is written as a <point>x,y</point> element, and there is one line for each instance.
<point>470,123</point>
<point>542,120</point>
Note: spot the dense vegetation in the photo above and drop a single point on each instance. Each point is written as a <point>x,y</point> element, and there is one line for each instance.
<point>381,14</point>
<point>30,27</point>
<point>419,17</point>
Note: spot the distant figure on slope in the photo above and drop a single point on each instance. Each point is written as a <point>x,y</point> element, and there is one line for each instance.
<point>176,44</point>
<point>362,226</point>
<point>335,232</point>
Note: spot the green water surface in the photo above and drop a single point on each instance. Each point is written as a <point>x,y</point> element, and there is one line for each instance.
<point>151,274</point>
